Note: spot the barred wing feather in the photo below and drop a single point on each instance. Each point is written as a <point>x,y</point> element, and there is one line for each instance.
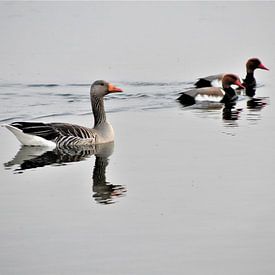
<point>63,134</point>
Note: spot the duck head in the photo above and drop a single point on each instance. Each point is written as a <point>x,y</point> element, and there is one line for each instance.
<point>254,63</point>
<point>231,79</point>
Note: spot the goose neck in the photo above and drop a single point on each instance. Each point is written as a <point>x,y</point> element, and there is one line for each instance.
<point>98,110</point>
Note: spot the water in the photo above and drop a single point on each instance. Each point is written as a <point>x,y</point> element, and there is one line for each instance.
<point>73,99</point>
<point>182,189</point>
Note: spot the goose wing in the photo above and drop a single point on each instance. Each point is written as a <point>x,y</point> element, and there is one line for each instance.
<point>74,130</point>
<point>43,130</point>
<point>69,134</point>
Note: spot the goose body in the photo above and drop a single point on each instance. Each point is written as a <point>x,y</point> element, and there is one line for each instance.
<point>69,135</point>
<point>249,82</point>
<point>226,94</point>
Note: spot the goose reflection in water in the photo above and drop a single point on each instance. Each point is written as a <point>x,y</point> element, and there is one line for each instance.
<point>103,192</point>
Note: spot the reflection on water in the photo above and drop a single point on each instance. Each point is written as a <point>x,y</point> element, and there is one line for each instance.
<point>230,113</point>
<point>257,103</point>
<point>33,157</point>
<point>246,109</point>
<point>254,107</point>
<point>204,109</point>
<point>104,192</point>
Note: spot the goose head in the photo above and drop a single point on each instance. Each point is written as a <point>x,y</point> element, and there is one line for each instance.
<point>100,88</point>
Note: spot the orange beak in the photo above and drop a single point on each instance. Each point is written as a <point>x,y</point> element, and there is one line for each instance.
<point>238,83</point>
<point>263,67</point>
<point>113,89</point>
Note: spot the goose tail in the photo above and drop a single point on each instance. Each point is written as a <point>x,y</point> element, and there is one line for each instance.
<point>29,139</point>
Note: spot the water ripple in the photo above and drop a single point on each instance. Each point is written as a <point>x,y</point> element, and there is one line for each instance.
<point>42,85</point>
<point>45,100</point>
<point>160,84</point>
<point>54,115</point>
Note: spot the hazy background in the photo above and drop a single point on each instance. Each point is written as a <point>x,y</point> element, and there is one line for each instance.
<point>199,189</point>
<point>144,41</point>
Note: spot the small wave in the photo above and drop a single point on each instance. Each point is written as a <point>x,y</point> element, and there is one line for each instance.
<point>9,85</point>
<point>54,115</point>
<point>157,107</point>
<point>128,83</point>
<point>120,109</point>
<point>42,85</point>
<point>140,96</point>
<point>78,85</point>
<point>11,119</point>
<point>37,105</point>
<point>260,85</point>
<point>65,95</point>
<point>144,83</point>
<point>114,110</point>
<point>129,96</point>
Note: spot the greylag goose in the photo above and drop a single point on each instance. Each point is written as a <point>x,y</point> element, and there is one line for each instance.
<point>249,82</point>
<point>70,135</point>
<point>226,94</point>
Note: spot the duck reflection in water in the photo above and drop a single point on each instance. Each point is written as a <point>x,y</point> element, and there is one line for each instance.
<point>230,113</point>
<point>33,157</point>
<point>256,103</point>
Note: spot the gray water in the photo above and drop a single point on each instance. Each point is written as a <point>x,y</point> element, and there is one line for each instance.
<point>182,189</point>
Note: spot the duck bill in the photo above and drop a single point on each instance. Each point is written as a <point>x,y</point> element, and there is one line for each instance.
<point>238,83</point>
<point>113,89</point>
<point>263,67</point>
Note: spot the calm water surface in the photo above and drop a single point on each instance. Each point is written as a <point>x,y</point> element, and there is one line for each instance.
<point>181,190</point>
<point>180,186</point>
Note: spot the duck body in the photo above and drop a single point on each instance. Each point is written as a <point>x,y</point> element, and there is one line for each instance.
<point>209,81</point>
<point>70,135</point>
<point>226,94</point>
<point>190,97</point>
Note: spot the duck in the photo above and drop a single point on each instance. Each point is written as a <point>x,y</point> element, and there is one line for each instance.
<point>249,82</point>
<point>60,135</point>
<point>226,94</point>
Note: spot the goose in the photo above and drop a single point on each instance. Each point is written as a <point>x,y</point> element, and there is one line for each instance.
<point>226,94</point>
<point>249,82</point>
<point>69,135</point>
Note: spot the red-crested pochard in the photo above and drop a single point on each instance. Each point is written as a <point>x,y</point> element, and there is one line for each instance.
<point>249,82</point>
<point>226,94</point>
